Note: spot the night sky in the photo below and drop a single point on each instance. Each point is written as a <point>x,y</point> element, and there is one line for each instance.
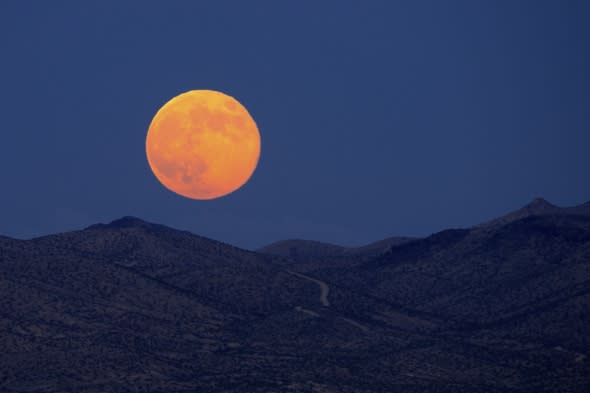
<point>377,118</point>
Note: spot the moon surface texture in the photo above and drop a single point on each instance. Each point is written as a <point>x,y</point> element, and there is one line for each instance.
<point>203,144</point>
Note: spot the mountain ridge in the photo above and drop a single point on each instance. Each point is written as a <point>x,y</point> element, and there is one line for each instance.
<point>537,206</point>
<point>136,306</point>
<point>305,250</point>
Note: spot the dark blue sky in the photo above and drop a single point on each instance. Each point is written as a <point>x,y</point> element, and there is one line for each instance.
<point>377,118</point>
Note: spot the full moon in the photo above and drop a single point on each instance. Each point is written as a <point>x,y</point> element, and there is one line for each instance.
<point>203,144</point>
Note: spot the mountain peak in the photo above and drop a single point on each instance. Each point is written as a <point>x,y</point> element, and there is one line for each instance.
<point>128,222</point>
<point>540,205</point>
<point>123,222</point>
<point>535,207</point>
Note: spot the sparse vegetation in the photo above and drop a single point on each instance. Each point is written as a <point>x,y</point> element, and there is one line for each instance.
<point>137,307</point>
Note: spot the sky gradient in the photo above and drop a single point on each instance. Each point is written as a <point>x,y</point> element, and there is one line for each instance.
<point>377,118</point>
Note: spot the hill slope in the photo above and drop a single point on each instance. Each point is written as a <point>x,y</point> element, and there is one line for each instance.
<point>132,306</point>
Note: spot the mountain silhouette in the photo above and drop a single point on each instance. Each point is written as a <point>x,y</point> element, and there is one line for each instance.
<point>536,207</point>
<point>310,250</point>
<point>132,306</point>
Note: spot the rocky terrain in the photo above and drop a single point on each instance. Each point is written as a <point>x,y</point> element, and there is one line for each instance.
<point>137,307</point>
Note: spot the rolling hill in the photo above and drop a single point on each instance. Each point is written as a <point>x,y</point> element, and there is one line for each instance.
<point>131,306</point>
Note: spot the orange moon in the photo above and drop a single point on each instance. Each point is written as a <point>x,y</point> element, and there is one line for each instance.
<point>203,144</point>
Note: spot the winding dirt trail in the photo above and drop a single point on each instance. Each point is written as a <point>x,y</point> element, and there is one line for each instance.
<point>306,311</point>
<point>325,289</point>
<point>355,323</point>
